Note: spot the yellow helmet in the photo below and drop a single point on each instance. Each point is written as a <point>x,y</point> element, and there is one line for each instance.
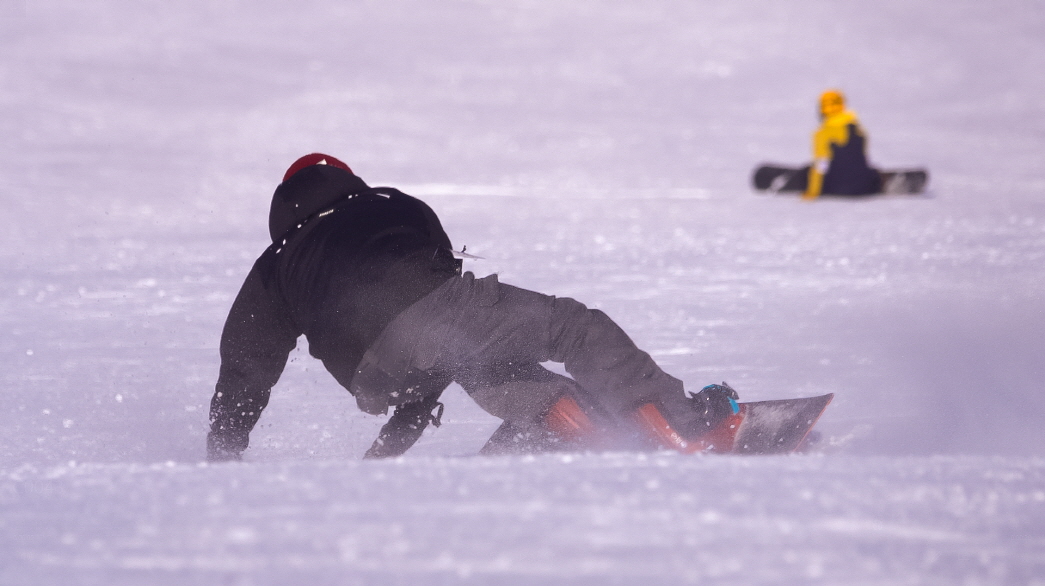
<point>831,102</point>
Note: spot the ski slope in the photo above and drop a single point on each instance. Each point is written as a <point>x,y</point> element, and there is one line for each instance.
<point>588,149</point>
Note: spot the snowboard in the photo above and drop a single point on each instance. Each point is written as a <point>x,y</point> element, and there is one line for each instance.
<point>766,427</point>
<point>778,179</point>
<point>762,427</point>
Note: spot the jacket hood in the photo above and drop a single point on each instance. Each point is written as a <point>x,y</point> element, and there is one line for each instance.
<point>308,192</point>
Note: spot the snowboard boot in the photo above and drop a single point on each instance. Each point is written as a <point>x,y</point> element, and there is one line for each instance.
<point>564,426</point>
<point>707,427</point>
<point>568,422</point>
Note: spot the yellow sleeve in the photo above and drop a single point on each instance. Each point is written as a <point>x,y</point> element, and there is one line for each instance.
<point>821,160</point>
<point>822,140</point>
<point>832,131</point>
<point>816,183</point>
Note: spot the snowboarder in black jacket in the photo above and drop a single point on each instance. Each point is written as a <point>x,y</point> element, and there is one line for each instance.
<point>369,277</point>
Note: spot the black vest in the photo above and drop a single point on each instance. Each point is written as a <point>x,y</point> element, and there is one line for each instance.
<point>849,173</point>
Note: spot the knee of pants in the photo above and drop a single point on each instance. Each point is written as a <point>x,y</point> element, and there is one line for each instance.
<point>577,327</point>
<point>521,396</point>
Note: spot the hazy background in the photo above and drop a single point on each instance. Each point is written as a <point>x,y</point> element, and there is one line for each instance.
<point>590,149</point>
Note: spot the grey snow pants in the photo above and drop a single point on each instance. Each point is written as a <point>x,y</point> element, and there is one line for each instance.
<point>491,337</point>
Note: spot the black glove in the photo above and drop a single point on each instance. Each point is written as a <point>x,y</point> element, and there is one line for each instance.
<point>226,445</point>
<point>405,427</point>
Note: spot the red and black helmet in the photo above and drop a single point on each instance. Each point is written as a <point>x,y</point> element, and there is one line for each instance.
<point>314,159</point>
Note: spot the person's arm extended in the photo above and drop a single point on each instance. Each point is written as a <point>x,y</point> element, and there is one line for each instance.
<point>410,418</point>
<point>405,427</point>
<point>821,161</point>
<point>255,343</point>
<point>816,178</point>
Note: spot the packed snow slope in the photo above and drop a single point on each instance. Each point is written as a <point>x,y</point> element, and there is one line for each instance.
<point>588,149</point>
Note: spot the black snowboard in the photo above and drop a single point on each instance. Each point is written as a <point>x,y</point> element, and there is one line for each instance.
<point>765,427</point>
<point>779,179</point>
<point>778,427</point>
<point>758,428</point>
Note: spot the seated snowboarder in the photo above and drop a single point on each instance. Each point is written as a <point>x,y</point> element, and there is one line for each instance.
<point>840,153</point>
<point>839,160</point>
<point>840,164</point>
<point>369,277</point>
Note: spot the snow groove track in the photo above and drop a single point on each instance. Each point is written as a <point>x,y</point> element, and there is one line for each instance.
<point>578,519</point>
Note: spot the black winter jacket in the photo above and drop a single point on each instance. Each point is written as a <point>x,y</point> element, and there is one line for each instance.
<point>344,261</point>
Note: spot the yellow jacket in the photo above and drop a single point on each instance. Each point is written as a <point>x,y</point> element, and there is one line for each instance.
<point>833,132</point>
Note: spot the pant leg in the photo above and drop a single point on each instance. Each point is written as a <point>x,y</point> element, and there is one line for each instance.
<point>469,324</point>
<point>519,393</point>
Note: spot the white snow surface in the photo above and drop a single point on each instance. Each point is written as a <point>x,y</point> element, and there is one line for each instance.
<point>599,150</point>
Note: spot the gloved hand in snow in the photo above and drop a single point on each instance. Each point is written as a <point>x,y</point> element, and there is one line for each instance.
<point>405,426</point>
<point>226,445</point>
